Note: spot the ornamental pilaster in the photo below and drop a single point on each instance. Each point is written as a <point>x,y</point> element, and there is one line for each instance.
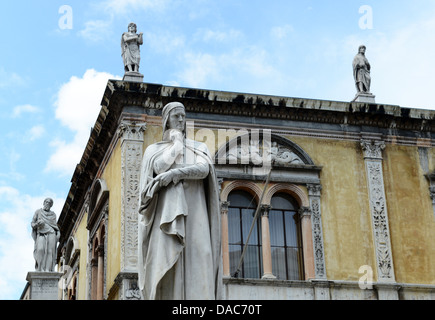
<point>378,209</point>
<point>131,135</point>
<point>314,193</point>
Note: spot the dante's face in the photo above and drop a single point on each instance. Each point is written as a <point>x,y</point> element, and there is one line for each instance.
<point>362,50</point>
<point>132,29</point>
<point>47,204</point>
<point>177,119</point>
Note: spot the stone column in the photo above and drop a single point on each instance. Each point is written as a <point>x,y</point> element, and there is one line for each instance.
<point>378,209</point>
<point>265,243</point>
<point>307,242</point>
<point>225,245</point>
<point>132,138</point>
<point>100,273</point>
<point>314,191</point>
<point>94,278</point>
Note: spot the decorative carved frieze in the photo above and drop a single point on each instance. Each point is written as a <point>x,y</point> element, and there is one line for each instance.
<point>132,137</point>
<point>378,209</point>
<point>257,152</point>
<point>314,191</point>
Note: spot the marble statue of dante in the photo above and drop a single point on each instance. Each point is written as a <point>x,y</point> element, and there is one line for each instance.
<point>361,71</point>
<point>179,221</point>
<point>130,42</point>
<point>46,234</point>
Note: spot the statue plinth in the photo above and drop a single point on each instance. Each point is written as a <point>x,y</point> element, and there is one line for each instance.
<point>364,97</point>
<point>132,76</point>
<point>44,285</point>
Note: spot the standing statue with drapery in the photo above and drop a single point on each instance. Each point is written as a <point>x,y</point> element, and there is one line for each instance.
<point>179,219</point>
<point>46,234</point>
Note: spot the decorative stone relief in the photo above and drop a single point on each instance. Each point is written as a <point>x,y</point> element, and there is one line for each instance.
<point>132,136</point>
<point>314,191</point>
<point>256,152</point>
<point>378,208</point>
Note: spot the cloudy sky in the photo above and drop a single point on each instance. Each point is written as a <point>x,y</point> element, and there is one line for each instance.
<point>57,56</point>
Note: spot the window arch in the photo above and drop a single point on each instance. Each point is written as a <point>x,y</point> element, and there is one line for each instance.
<point>285,238</point>
<point>241,211</point>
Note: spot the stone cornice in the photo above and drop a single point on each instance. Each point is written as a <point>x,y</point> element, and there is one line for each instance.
<point>155,96</point>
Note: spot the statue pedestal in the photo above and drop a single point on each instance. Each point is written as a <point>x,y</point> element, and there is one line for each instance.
<point>364,97</point>
<point>133,77</point>
<point>43,285</point>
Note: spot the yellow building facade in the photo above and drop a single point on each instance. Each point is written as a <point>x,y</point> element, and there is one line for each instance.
<point>347,211</point>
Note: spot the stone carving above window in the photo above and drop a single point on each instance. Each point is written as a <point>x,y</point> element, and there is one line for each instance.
<point>272,149</point>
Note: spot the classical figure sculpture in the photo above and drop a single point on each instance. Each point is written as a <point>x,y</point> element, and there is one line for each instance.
<point>130,43</point>
<point>361,71</point>
<point>179,222</point>
<point>45,233</point>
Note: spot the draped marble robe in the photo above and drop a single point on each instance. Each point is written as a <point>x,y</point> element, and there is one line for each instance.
<point>361,73</point>
<point>179,226</point>
<point>45,233</point>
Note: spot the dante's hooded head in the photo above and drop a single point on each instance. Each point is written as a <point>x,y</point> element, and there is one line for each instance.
<point>166,112</point>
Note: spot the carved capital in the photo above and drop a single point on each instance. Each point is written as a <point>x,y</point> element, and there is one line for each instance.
<point>265,209</point>
<point>372,149</point>
<point>224,207</point>
<point>314,190</point>
<point>304,212</point>
<point>131,131</point>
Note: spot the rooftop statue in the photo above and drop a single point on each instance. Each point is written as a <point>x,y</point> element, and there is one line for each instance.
<point>46,234</point>
<point>179,220</point>
<point>361,74</point>
<point>130,46</point>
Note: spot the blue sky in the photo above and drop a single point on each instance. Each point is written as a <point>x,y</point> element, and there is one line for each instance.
<point>52,78</point>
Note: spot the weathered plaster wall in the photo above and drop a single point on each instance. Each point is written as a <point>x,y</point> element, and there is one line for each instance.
<point>411,217</point>
<point>81,236</point>
<point>112,176</point>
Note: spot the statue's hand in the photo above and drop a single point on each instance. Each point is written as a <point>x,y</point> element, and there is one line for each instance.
<point>176,135</point>
<point>166,178</point>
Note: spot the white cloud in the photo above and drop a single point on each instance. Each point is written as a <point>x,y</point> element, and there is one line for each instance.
<point>10,79</point>
<point>27,108</point>
<point>77,107</point>
<point>251,63</point>
<point>164,42</point>
<point>212,36</point>
<point>116,7</point>
<point>16,243</point>
<point>35,133</point>
<point>281,32</point>
<point>96,30</point>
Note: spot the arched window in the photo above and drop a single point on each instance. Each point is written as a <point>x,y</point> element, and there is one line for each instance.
<point>285,238</point>
<point>241,213</point>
